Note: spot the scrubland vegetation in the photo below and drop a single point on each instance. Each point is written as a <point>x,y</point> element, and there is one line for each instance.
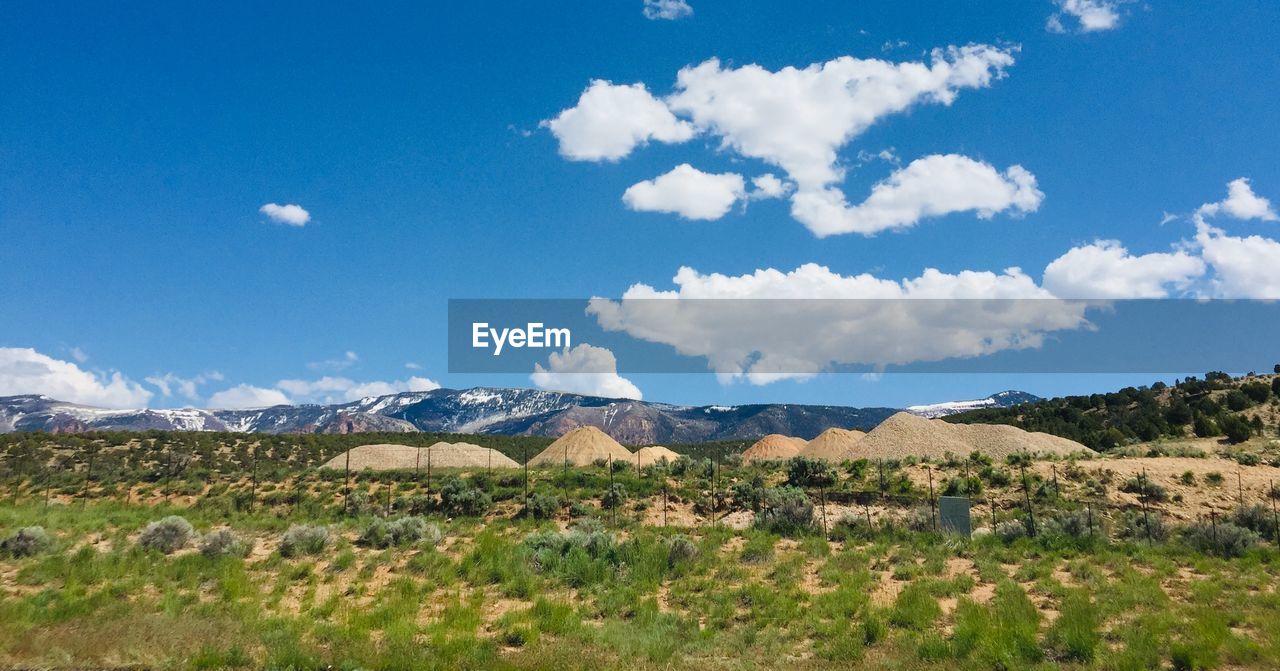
<point>797,564</point>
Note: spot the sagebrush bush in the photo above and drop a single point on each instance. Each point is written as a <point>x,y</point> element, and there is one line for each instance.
<point>1009,531</point>
<point>542,506</point>
<point>26,542</point>
<point>1076,524</point>
<point>1222,538</point>
<point>224,543</point>
<point>400,532</point>
<point>680,550</point>
<point>304,539</point>
<point>614,497</point>
<point>1257,518</point>
<point>788,511</point>
<point>1134,527</point>
<point>457,497</point>
<point>167,535</point>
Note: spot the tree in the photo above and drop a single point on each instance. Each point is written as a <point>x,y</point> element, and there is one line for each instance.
<point>1258,392</point>
<point>1236,429</point>
<point>805,472</point>
<point>1237,400</point>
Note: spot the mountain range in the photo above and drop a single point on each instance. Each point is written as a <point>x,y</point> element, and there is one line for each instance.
<point>491,410</point>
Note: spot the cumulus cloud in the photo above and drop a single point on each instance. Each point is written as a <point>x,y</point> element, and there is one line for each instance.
<point>768,186</point>
<point>1241,203</point>
<point>25,371</point>
<point>1243,267</point>
<point>612,119</point>
<point>244,396</point>
<point>290,215</point>
<point>170,383</point>
<point>796,119</point>
<point>766,340</point>
<point>932,186</point>
<point>668,10</point>
<point>1087,15</point>
<point>1105,269</point>
<point>79,355</point>
<point>688,192</point>
<point>330,389</point>
<point>585,369</point>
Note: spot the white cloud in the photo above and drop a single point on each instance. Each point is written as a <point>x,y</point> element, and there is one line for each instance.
<point>330,389</point>
<point>795,339</point>
<point>1105,269</point>
<point>1243,267</point>
<point>585,369</point>
<point>928,187</point>
<point>1088,15</point>
<point>1241,203</point>
<point>347,360</point>
<point>768,186</point>
<point>612,119</point>
<point>290,215</point>
<point>244,396</point>
<point>79,355</point>
<point>669,10</point>
<point>413,366</point>
<point>795,118</point>
<point>688,192</point>
<point>25,371</point>
<point>184,386</point>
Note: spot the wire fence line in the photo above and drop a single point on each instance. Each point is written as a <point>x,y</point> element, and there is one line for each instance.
<point>876,498</point>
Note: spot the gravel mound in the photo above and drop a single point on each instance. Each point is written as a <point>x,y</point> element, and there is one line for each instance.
<point>834,445</point>
<point>581,447</point>
<point>388,457</point>
<point>773,447</point>
<point>906,435</point>
<point>655,454</point>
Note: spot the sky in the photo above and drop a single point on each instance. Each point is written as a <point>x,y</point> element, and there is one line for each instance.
<point>233,204</point>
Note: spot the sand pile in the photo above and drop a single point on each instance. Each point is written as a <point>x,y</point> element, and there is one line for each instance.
<point>834,445</point>
<point>654,454</point>
<point>773,447</point>
<point>904,435</point>
<point>387,457</point>
<point>581,447</point>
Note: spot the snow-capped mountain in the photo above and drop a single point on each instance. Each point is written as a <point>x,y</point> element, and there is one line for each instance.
<point>531,412</point>
<point>1003,399</point>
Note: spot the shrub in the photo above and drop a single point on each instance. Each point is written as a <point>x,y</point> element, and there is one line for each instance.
<point>1237,430</point>
<point>167,535</point>
<point>1073,524</point>
<point>224,543</point>
<point>1214,478</point>
<point>1237,400</point>
<point>399,533</point>
<point>304,539</point>
<point>920,518</point>
<point>459,498</point>
<point>542,506</point>
<point>1133,526</point>
<point>1248,459</point>
<point>788,511</point>
<point>680,550</point>
<point>614,497</point>
<point>749,495</point>
<point>1143,486</point>
<point>1222,538</point>
<point>1258,392</point>
<point>1010,530</point>
<point>1257,518</point>
<point>26,542</point>
<point>1187,478</point>
<point>805,472</point>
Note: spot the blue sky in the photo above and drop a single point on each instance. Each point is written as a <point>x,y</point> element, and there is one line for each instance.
<point>138,143</point>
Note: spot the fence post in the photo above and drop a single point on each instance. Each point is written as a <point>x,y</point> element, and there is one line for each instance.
<point>1088,509</point>
<point>1026,493</point>
<point>1239,488</point>
<point>386,486</point>
<point>253,487</point>
<point>613,507</point>
<point>664,502</point>
<point>1213,519</point>
<point>1055,481</point>
<point>1142,497</point>
<point>429,473</point>
<point>346,489</point>
<point>1275,518</point>
<point>992,500</point>
<point>88,477</point>
<point>524,456</point>
<point>933,521</point>
<point>822,493</point>
<point>866,506</point>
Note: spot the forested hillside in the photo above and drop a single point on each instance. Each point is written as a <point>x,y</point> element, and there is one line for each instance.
<point>1236,409</point>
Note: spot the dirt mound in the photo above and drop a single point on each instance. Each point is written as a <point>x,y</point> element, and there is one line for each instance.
<point>773,447</point>
<point>834,445</point>
<point>655,454</point>
<point>905,435</point>
<point>581,447</point>
<point>388,457</point>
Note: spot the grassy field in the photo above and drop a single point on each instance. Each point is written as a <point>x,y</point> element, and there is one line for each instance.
<point>739,570</point>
